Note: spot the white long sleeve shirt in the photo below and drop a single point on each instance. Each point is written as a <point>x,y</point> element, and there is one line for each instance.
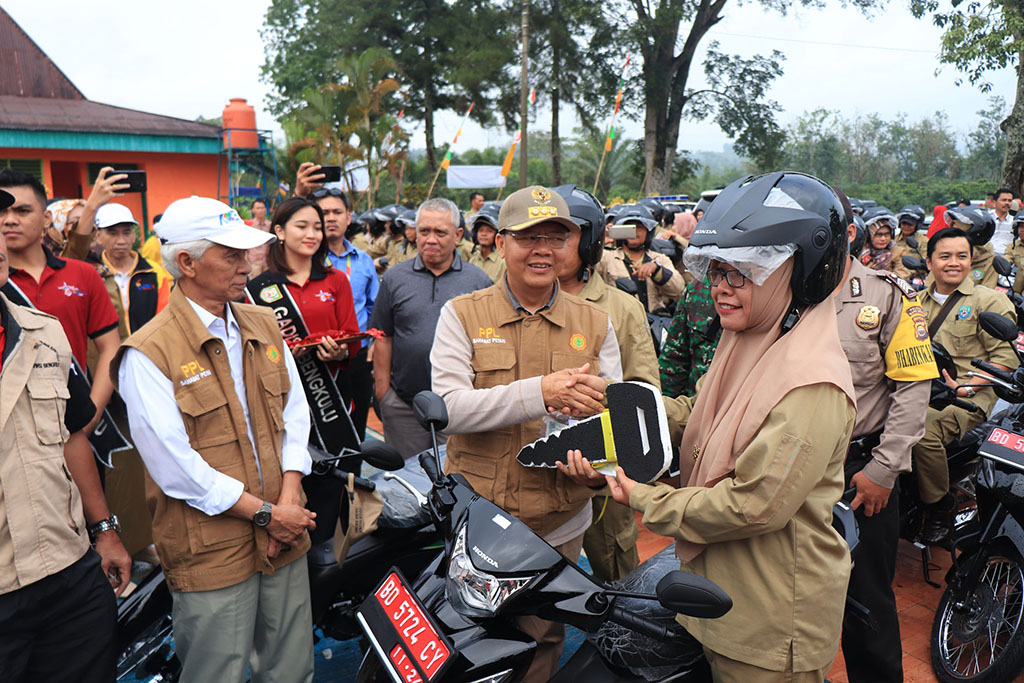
<point>159,431</point>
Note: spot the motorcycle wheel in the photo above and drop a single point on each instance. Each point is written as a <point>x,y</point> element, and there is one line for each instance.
<point>983,639</point>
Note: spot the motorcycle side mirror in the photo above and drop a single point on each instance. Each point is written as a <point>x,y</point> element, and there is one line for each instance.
<point>626,285</point>
<point>911,242</point>
<point>998,326</point>
<point>381,455</point>
<point>1002,266</point>
<point>430,410</point>
<point>693,595</point>
<point>914,262</point>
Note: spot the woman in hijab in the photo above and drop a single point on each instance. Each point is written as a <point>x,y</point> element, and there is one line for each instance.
<point>881,252</point>
<point>766,435</point>
<point>938,220</point>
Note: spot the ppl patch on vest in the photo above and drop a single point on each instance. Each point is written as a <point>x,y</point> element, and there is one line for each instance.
<point>488,336</point>
<point>193,373</point>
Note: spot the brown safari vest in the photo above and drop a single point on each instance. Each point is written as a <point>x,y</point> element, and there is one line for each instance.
<point>509,345</point>
<point>199,552</point>
<point>42,527</point>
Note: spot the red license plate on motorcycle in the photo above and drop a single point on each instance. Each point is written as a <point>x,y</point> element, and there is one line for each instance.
<point>1020,341</point>
<point>412,646</point>
<point>1005,447</point>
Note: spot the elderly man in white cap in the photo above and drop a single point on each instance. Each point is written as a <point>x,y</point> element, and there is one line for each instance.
<point>209,388</point>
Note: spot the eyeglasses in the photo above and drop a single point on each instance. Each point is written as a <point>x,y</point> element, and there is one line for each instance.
<point>554,242</point>
<point>735,278</point>
<point>329,191</point>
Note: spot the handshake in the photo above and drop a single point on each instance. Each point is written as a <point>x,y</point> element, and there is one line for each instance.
<point>573,392</point>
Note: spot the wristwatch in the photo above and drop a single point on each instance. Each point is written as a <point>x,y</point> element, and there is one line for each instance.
<point>971,392</point>
<point>111,523</point>
<point>262,516</point>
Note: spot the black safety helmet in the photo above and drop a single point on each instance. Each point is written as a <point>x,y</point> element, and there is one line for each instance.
<point>355,225</point>
<point>406,219</point>
<point>911,213</point>
<point>586,211</point>
<point>1018,221</point>
<point>656,208</point>
<point>488,215</point>
<point>739,218</point>
<point>613,211</point>
<point>635,214</point>
<point>978,223</point>
<point>857,205</point>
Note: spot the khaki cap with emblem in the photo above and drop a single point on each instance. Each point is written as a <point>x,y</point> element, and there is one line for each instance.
<point>532,205</point>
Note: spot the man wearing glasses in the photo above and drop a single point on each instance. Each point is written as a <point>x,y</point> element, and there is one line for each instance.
<point>408,304</point>
<point>508,360</point>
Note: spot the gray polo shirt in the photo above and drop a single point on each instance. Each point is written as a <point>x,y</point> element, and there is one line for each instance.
<point>407,308</point>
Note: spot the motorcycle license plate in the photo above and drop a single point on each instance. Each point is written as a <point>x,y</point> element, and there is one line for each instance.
<point>1005,447</point>
<point>406,638</point>
<point>1020,341</point>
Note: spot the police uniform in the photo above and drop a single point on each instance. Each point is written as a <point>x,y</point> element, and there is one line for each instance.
<point>962,336</point>
<point>884,333</point>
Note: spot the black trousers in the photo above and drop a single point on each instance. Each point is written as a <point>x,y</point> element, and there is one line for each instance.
<point>356,387</point>
<point>60,629</point>
<point>874,655</point>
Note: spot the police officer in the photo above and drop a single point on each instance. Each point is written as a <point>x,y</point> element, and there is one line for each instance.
<point>953,303</point>
<point>610,542</point>
<point>884,333</point>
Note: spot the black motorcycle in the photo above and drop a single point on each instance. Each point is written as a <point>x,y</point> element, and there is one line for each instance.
<point>978,633</point>
<point>405,537</point>
<point>457,622</point>
<point>657,322</point>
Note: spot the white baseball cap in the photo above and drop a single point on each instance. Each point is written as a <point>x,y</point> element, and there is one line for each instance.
<point>109,215</point>
<point>202,218</point>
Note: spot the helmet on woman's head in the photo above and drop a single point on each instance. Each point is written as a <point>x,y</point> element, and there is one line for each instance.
<point>586,211</point>
<point>911,213</point>
<point>976,222</point>
<point>488,216</point>
<point>768,218</point>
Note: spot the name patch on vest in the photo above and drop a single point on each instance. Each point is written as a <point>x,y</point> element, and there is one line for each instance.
<point>193,373</point>
<point>488,336</point>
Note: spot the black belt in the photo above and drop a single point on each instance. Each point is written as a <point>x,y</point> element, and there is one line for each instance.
<point>861,447</point>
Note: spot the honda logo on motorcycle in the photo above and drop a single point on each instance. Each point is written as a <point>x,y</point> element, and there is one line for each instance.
<point>484,557</point>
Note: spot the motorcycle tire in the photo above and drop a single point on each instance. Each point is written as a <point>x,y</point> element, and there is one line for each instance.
<point>963,638</point>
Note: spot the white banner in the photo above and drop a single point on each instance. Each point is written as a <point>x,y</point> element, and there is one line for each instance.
<point>473,177</point>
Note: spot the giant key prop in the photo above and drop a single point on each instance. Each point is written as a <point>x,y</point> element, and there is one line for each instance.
<point>632,433</point>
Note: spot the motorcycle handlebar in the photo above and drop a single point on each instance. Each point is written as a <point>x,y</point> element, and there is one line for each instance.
<point>638,623</point>
<point>992,370</point>
<point>429,465</point>
<point>966,405</point>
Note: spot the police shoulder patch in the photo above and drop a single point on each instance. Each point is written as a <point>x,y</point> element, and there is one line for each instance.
<point>899,283</point>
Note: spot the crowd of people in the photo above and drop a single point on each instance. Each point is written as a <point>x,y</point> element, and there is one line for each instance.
<point>152,410</point>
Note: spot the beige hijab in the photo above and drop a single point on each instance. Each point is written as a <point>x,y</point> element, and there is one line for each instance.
<point>751,372</point>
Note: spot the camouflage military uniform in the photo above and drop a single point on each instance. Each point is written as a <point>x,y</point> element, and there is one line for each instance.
<point>692,338</point>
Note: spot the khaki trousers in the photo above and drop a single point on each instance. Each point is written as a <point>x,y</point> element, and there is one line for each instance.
<point>725,670</point>
<point>264,622</point>
<point>401,428</point>
<point>942,427</point>
<point>610,542</point>
<point>548,634</point>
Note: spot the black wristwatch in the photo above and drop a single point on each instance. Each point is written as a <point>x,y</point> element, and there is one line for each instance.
<point>262,516</point>
<point>112,523</point>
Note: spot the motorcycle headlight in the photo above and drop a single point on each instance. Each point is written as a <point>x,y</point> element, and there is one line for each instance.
<point>472,592</point>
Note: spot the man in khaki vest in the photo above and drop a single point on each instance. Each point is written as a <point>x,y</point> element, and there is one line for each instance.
<point>507,358</point>
<point>209,390</point>
<point>55,592</point>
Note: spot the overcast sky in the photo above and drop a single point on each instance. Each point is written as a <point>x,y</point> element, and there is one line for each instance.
<point>187,58</point>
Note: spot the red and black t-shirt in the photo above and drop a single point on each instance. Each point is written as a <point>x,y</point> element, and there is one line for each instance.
<point>325,302</point>
<point>73,292</point>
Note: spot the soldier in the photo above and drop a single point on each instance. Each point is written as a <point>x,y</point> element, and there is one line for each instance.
<point>610,542</point>
<point>693,336</point>
<point>884,333</point>
<point>953,303</point>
